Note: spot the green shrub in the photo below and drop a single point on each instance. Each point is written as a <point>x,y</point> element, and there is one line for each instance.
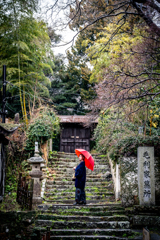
<point>43,128</point>
<point>129,145</point>
<point>118,137</point>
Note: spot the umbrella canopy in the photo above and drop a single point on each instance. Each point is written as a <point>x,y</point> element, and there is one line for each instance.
<point>89,161</point>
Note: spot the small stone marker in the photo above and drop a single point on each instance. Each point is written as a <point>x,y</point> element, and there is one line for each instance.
<point>36,147</point>
<point>146,175</point>
<point>16,118</point>
<point>146,234</point>
<point>140,130</point>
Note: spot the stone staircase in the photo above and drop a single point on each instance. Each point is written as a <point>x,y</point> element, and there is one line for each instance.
<point>100,218</point>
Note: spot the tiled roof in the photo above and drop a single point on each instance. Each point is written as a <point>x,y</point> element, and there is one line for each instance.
<point>75,119</point>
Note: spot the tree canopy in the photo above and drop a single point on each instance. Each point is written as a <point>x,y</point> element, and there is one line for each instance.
<point>26,50</point>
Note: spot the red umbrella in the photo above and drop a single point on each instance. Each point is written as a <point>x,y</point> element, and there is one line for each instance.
<point>89,161</point>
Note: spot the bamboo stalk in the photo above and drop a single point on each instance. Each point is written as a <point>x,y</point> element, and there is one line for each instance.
<point>24,106</point>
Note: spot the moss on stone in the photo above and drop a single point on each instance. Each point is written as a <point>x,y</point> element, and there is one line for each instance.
<point>9,126</point>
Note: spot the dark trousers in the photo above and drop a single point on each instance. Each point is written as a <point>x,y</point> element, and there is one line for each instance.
<point>80,195</point>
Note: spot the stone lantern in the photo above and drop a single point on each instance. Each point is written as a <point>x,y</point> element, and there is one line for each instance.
<point>36,173</point>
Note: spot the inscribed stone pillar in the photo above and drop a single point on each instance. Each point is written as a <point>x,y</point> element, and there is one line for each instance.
<point>146,175</point>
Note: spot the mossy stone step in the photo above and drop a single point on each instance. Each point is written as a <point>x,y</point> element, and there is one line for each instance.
<point>62,176</point>
<point>72,188</point>
<point>67,170</point>
<point>57,217</point>
<point>71,165</point>
<point>86,237</point>
<point>63,193</point>
<point>70,198</point>
<point>63,179</point>
<point>65,156</point>
<point>92,207</point>
<point>75,162</point>
<point>73,155</point>
<point>63,201</point>
<point>86,213</point>
<point>108,198</point>
<point>94,232</point>
<point>68,175</point>
<point>52,182</point>
<point>72,194</point>
<point>55,191</point>
<point>78,224</point>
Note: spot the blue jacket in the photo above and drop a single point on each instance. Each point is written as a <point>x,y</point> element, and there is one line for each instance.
<point>80,174</point>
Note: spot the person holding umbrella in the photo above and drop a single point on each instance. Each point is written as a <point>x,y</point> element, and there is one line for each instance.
<point>80,180</point>
<point>87,160</point>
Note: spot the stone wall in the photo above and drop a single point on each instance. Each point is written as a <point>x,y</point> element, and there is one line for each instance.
<point>115,170</point>
<point>129,181</point>
<point>17,225</point>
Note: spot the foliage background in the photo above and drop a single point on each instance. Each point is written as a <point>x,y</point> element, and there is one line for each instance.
<point>118,137</point>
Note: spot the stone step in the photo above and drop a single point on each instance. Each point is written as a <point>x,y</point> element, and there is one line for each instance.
<point>87,237</point>
<point>52,182</point>
<point>92,207</point>
<point>88,171</point>
<point>92,232</point>
<point>64,175</point>
<point>73,194</point>
<point>50,196</point>
<point>85,213</point>
<point>73,159</point>
<point>88,191</point>
<point>89,179</point>
<point>70,179</point>
<point>82,218</point>
<point>90,188</point>
<point>88,198</point>
<point>98,176</point>
<point>61,175</point>
<point>89,202</point>
<point>72,188</point>
<point>69,169</point>
<point>73,155</point>
<point>72,164</point>
<point>79,225</point>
